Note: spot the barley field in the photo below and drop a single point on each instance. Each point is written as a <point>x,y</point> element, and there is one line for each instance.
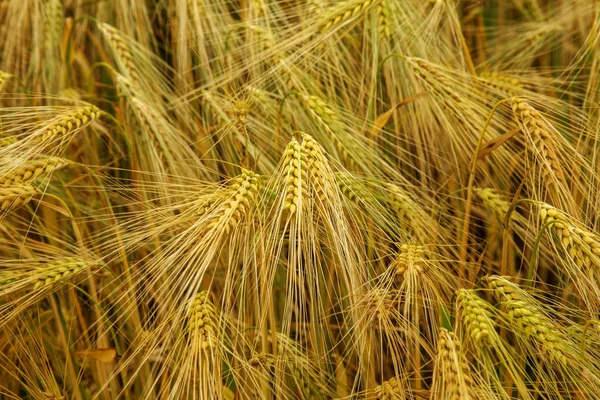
<point>300,199</point>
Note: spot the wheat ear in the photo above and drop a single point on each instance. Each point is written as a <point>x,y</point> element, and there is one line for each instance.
<point>68,123</point>
<point>526,318</point>
<point>541,141</point>
<point>33,170</point>
<point>452,369</point>
<point>12,197</point>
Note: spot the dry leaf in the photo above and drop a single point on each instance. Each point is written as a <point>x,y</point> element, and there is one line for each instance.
<point>493,144</point>
<point>103,355</point>
<point>383,119</point>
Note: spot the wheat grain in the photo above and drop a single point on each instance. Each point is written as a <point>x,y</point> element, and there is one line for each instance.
<point>541,141</point>
<point>525,317</point>
<point>452,368</point>
<point>433,77</point>
<point>328,118</point>
<point>54,25</point>
<point>58,271</point>
<point>202,321</point>
<point>346,13</point>
<point>581,245</point>
<point>390,390</point>
<point>68,123</point>
<point>383,19</point>
<point>33,170</point>
<point>12,197</point>
<point>7,141</point>
<point>476,315</point>
<point>494,202</point>
<point>4,78</point>
<point>411,258</point>
<point>242,191</point>
<point>294,174</point>
<point>314,156</point>
<point>504,83</point>
<point>122,51</point>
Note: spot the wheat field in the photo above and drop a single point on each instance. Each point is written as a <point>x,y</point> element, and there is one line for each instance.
<point>299,199</point>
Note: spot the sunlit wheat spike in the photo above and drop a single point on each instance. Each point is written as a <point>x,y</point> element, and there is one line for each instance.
<point>525,317</point>
<point>417,220</point>
<point>430,74</point>
<point>122,51</point>
<point>502,82</point>
<point>202,320</point>
<point>328,118</point>
<point>494,202</point>
<point>4,78</point>
<point>540,140</point>
<point>240,199</point>
<point>476,315</point>
<point>314,157</point>
<point>64,125</point>
<point>295,173</point>
<point>54,25</point>
<point>391,389</point>
<point>32,170</point>
<point>410,258</point>
<point>58,272</point>
<point>7,141</point>
<point>580,245</point>
<point>12,197</point>
<point>352,188</point>
<point>383,19</point>
<point>451,374</point>
<point>341,13</point>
